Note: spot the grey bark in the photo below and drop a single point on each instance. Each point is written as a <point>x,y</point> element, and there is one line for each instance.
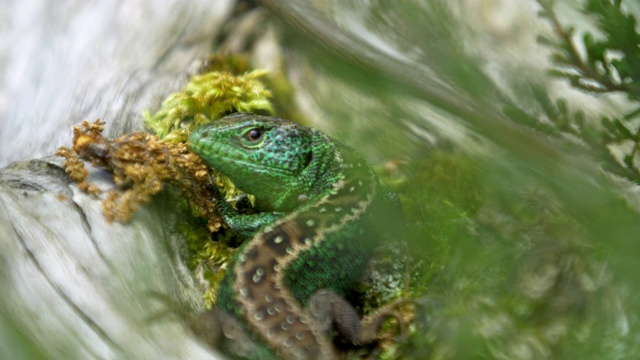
<point>74,285</point>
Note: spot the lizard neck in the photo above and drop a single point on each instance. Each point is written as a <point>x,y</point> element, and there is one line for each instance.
<point>331,222</point>
<point>325,165</point>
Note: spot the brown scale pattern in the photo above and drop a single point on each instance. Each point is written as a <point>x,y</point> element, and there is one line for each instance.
<point>267,304</point>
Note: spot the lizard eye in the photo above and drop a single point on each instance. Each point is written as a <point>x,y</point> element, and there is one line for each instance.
<point>254,134</point>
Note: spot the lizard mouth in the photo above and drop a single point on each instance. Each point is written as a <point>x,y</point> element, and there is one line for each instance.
<point>222,158</point>
<point>261,167</point>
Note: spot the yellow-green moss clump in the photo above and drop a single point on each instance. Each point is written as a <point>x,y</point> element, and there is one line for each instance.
<point>206,97</point>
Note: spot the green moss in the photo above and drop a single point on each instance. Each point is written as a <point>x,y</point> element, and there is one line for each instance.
<point>207,97</point>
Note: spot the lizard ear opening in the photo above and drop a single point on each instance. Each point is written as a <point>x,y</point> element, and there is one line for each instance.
<point>306,159</point>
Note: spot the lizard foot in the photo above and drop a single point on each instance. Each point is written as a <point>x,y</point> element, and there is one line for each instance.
<point>333,312</point>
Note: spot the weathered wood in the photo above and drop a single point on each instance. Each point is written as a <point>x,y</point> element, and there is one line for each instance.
<point>81,60</point>
<point>81,287</point>
<point>76,286</point>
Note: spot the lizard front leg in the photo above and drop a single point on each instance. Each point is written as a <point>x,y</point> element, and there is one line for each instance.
<point>242,226</point>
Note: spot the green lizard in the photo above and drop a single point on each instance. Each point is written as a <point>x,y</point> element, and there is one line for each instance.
<point>309,245</point>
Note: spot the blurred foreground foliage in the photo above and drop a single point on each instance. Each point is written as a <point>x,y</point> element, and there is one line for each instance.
<point>605,62</point>
<point>514,270</point>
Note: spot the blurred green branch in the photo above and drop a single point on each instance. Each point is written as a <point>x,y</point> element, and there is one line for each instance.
<point>609,64</point>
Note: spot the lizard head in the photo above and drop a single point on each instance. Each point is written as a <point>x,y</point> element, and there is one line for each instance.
<point>262,155</point>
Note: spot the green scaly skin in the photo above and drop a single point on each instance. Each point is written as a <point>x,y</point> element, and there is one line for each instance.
<point>310,243</point>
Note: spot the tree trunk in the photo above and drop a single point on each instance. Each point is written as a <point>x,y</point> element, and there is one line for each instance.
<point>76,286</point>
